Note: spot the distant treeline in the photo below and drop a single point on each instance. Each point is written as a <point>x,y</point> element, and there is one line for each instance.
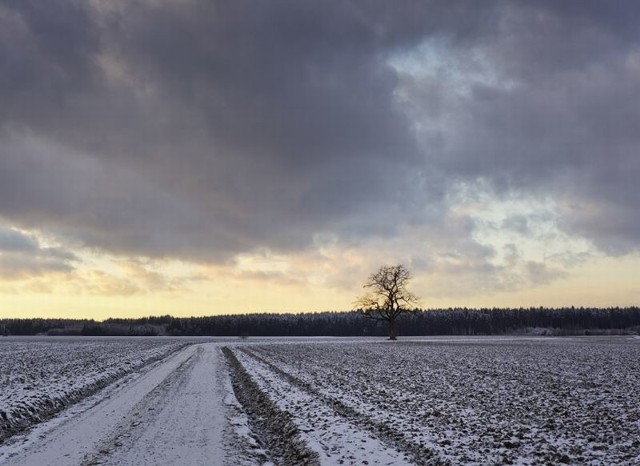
<point>461,321</point>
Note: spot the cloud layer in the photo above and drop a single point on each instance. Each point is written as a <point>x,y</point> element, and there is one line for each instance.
<point>203,130</point>
<point>22,255</point>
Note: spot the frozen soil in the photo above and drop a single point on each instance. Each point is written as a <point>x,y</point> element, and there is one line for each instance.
<point>334,431</point>
<point>508,401</point>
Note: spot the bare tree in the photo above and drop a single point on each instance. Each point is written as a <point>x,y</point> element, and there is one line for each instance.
<point>388,297</point>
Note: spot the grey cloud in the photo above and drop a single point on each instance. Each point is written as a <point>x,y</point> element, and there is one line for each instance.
<point>12,240</point>
<point>540,273</point>
<point>517,223</point>
<point>557,116</point>
<point>17,266</point>
<point>202,129</point>
<point>46,55</point>
<point>22,255</point>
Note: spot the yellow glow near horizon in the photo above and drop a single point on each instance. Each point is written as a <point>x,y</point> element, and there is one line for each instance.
<point>603,283</point>
<point>222,297</point>
<point>328,277</point>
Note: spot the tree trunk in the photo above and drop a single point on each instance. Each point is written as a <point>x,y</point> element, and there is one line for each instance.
<point>392,329</point>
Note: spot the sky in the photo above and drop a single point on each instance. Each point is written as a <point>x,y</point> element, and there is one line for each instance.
<point>202,157</point>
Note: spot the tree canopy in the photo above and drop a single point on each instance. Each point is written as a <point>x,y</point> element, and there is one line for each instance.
<point>388,296</point>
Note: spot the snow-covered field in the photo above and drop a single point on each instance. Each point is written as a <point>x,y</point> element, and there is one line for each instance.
<point>322,401</point>
<point>459,401</point>
<point>40,376</point>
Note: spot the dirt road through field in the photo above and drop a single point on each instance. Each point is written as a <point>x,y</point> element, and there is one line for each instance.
<point>172,414</point>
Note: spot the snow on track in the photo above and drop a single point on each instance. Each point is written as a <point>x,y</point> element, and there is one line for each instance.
<point>173,414</point>
<point>41,376</point>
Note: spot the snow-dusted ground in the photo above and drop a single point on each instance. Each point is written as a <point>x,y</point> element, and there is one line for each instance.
<point>40,376</point>
<point>337,439</point>
<point>351,401</point>
<point>461,401</point>
<point>173,412</point>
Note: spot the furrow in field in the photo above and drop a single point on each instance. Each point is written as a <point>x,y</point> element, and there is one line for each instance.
<point>519,403</point>
<point>272,427</point>
<point>340,434</point>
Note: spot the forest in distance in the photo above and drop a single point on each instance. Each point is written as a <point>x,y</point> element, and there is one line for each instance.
<point>458,321</point>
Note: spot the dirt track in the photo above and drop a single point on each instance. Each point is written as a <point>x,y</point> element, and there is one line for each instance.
<point>173,414</point>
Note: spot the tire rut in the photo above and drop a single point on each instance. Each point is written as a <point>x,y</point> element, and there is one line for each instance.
<point>24,418</point>
<point>273,427</point>
<point>144,412</point>
<point>420,454</point>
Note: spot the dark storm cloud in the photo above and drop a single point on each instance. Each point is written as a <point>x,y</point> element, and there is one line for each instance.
<point>260,125</point>
<point>202,129</point>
